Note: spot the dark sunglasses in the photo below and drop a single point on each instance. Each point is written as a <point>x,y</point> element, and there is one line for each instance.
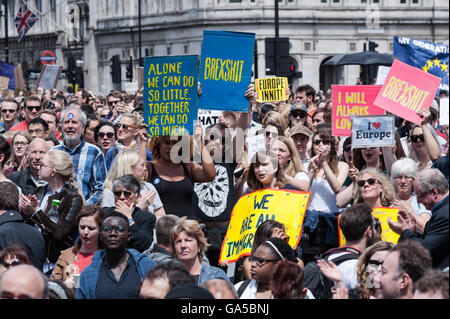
<point>113,102</point>
<point>374,262</point>
<point>126,193</point>
<point>214,137</point>
<point>110,228</point>
<point>4,111</point>
<point>370,181</point>
<point>31,108</point>
<point>415,138</point>
<point>301,115</point>
<point>108,134</point>
<point>271,134</point>
<point>347,149</point>
<point>261,261</point>
<point>324,142</point>
<point>125,126</point>
<point>9,265</point>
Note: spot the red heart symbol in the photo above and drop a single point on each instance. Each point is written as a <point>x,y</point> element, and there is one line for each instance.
<point>376,125</point>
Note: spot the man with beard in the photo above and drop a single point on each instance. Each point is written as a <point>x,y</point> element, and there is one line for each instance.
<point>88,160</point>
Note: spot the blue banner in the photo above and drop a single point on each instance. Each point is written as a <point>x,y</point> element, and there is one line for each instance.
<point>7,70</point>
<point>170,94</point>
<point>427,56</point>
<point>226,70</point>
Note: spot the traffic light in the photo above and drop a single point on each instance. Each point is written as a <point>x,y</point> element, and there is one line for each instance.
<point>293,72</point>
<point>372,46</point>
<point>116,70</point>
<point>71,71</point>
<point>130,69</point>
<point>282,56</point>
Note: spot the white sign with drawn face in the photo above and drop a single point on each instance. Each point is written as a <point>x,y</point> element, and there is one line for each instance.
<point>373,131</point>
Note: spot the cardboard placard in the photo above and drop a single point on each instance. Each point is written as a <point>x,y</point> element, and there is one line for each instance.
<point>271,89</point>
<point>406,91</point>
<point>226,70</point>
<point>170,95</point>
<point>4,82</point>
<point>443,112</point>
<point>49,77</point>
<point>373,131</point>
<point>286,207</point>
<point>352,100</point>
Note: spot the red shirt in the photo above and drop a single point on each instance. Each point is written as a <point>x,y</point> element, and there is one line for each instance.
<point>22,126</point>
<point>82,261</point>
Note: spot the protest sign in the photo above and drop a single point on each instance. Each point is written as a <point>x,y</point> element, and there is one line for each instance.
<point>271,89</point>
<point>131,87</point>
<point>382,73</point>
<point>373,131</point>
<point>4,82</point>
<point>49,76</point>
<point>286,207</point>
<point>170,95</point>
<point>255,144</point>
<point>352,100</point>
<point>428,56</point>
<point>208,117</point>
<point>443,112</point>
<point>406,91</point>
<point>18,76</point>
<point>226,70</point>
<point>382,214</point>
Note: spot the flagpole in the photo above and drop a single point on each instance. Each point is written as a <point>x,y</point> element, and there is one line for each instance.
<point>6,32</point>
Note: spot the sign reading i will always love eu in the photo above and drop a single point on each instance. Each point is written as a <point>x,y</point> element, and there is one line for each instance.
<point>225,70</point>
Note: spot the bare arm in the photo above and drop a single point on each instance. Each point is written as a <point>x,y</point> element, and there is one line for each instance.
<point>433,147</point>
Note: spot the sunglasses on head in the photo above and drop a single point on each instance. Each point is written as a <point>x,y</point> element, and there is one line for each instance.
<point>324,142</point>
<point>110,228</point>
<point>126,193</point>
<point>415,138</point>
<point>125,126</point>
<point>108,134</point>
<point>31,108</point>
<point>370,181</point>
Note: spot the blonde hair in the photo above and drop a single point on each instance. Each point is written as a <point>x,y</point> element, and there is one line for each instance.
<point>274,116</point>
<point>295,164</point>
<point>121,166</point>
<point>61,162</point>
<point>193,229</point>
<point>387,195</point>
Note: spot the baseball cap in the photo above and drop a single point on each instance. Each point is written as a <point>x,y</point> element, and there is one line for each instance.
<point>300,129</point>
<point>299,106</point>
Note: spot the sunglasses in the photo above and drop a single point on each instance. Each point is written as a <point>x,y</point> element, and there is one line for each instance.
<point>370,181</point>
<point>347,149</point>
<point>110,228</point>
<point>324,142</point>
<point>271,134</point>
<point>261,261</point>
<point>13,263</point>
<point>415,138</point>
<point>375,263</point>
<point>125,126</point>
<point>108,134</point>
<point>4,111</point>
<point>301,115</point>
<point>126,193</point>
<point>113,102</point>
<point>31,108</point>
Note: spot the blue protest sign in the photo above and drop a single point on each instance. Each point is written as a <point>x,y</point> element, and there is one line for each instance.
<point>170,94</point>
<point>427,56</point>
<point>226,70</point>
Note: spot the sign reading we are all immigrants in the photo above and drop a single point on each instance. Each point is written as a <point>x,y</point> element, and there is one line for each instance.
<point>170,94</point>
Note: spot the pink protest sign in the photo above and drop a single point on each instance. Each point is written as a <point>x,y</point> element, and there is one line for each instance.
<point>352,100</point>
<point>406,91</point>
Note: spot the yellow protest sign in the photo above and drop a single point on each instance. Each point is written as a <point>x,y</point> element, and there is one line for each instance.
<point>382,214</point>
<point>286,207</point>
<point>271,89</point>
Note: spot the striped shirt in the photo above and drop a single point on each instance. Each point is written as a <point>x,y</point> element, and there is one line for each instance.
<point>89,168</point>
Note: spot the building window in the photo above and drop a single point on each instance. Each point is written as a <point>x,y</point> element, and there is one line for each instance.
<point>186,49</point>
<point>402,1</point>
<point>168,50</point>
<point>307,46</point>
<point>352,46</point>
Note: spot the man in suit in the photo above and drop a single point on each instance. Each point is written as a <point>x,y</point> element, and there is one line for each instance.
<point>431,189</point>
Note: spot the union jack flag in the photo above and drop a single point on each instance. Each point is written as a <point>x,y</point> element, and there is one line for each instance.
<point>24,21</point>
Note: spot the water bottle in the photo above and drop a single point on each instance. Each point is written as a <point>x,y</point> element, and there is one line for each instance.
<point>53,213</point>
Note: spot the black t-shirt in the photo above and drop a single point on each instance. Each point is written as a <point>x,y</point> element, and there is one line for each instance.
<point>215,200</point>
<point>442,165</point>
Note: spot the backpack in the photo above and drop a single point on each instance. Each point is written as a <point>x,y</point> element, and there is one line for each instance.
<point>319,285</point>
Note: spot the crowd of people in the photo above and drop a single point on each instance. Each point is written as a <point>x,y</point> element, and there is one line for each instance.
<point>92,207</point>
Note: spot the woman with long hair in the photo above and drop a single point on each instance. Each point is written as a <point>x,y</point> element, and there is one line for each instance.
<point>58,228</point>
<point>373,188</point>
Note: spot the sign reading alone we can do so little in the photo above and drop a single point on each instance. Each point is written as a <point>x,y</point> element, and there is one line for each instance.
<point>373,131</point>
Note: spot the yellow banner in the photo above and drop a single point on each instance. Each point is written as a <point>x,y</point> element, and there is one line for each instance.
<point>383,214</point>
<point>286,207</point>
<point>271,89</point>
